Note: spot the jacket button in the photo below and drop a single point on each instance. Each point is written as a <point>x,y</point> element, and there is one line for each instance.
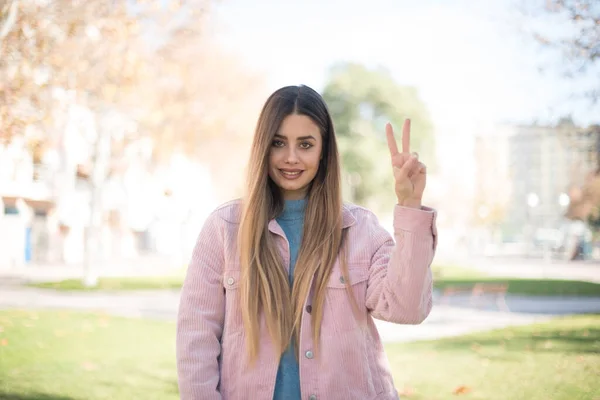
<point>309,308</point>
<point>312,397</point>
<point>230,281</point>
<point>309,354</point>
<point>342,280</point>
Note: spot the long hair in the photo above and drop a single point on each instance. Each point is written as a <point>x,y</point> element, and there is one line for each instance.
<point>264,286</point>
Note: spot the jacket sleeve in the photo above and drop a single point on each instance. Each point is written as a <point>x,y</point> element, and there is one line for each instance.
<point>200,317</point>
<point>400,281</point>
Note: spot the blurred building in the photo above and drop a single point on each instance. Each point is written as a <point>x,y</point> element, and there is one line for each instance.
<point>545,163</point>
<point>27,208</point>
<point>522,180</point>
<point>92,181</point>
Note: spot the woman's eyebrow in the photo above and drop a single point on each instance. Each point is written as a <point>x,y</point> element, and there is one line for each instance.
<point>308,137</point>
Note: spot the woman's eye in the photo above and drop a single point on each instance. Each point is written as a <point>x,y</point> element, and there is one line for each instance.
<point>277,143</point>
<point>305,145</point>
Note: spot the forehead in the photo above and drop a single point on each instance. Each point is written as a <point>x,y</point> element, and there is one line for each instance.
<point>295,125</point>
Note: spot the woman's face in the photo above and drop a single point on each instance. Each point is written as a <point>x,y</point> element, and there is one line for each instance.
<point>295,155</point>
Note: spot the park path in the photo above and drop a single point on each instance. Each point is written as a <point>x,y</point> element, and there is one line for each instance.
<point>451,318</point>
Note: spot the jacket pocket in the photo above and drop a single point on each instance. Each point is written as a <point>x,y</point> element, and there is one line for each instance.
<point>357,274</point>
<point>339,314</point>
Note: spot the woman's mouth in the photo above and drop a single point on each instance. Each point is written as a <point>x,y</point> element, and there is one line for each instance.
<point>291,174</point>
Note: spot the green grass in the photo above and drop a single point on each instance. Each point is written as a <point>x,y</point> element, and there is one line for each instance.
<point>529,287</point>
<point>444,276</point>
<point>176,280</point>
<point>67,355</point>
<point>116,284</point>
<point>556,360</point>
<point>60,355</point>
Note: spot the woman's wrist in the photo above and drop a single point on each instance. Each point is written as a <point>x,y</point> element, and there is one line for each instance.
<point>410,203</point>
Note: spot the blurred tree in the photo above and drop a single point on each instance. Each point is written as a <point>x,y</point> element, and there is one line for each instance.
<point>151,59</point>
<point>578,40</point>
<point>152,63</point>
<point>361,102</point>
<point>584,201</point>
<point>37,57</point>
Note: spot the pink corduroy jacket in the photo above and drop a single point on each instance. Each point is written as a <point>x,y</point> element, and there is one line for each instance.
<point>390,278</point>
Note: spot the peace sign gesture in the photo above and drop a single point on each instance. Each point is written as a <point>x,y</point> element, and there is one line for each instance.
<point>409,173</point>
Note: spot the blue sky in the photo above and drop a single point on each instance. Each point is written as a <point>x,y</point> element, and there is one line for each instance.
<point>467,58</point>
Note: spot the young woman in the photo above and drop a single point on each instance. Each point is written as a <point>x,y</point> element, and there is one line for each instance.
<point>283,286</point>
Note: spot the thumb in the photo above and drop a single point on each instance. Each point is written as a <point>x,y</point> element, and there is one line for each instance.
<point>407,168</point>
<point>399,173</point>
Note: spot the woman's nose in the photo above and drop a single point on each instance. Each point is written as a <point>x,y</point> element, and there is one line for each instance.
<point>291,157</point>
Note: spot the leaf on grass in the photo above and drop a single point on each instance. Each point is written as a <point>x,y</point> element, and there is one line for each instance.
<point>586,333</point>
<point>4,342</point>
<point>548,344</point>
<point>406,391</point>
<point>88,366</point>
<point>8,322</point>
<point>462,390</point>
<point>476,347</point>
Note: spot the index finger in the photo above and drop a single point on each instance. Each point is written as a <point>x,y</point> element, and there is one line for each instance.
<point>389,132</point>
<point>406,136</point>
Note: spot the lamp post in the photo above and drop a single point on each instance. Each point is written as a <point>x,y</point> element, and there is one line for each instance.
<point>563,201</point>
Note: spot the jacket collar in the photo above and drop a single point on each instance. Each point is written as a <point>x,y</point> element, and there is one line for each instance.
<point>347,221</point>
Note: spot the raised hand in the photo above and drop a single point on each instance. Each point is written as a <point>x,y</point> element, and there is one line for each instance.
<point>409,174</point>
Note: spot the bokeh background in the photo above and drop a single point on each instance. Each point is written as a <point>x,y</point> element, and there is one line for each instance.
<point>124,123</point>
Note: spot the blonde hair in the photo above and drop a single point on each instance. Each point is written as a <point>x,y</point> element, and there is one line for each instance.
<point>264,286</point>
